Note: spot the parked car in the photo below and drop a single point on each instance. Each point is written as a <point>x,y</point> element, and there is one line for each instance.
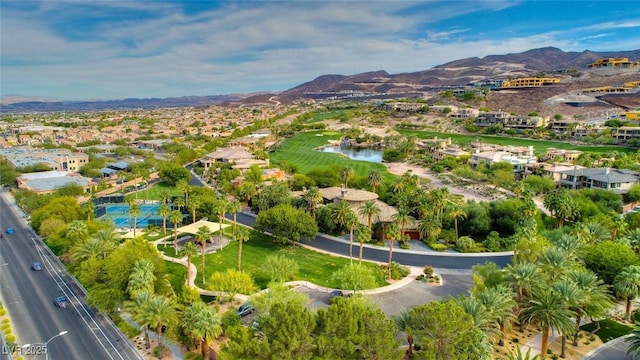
<point>338,293</point>
<point>61,302</point>
<point>36,266</point>
<point>245,309</point>
<point>10,231</point>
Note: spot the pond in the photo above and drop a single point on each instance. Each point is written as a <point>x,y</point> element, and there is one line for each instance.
<point>369,155</point>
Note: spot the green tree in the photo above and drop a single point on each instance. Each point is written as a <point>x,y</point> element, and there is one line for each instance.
<point>134,211</point>
<point>89,208</point>
<point>634,343</point>
<point>280,268</point>
<point>547,309</point>
<point>392,233</point>
<point>164,210</point>
<point>429,227</point>
<point>312,198</point>
<point>403,322</point>
<point>202,324</point>
<point>446,332</point>
<point>354,329</point>
<point>286,223</point>
<point>561,205</point>
<point>203,235</point>
<point>235,207</point>
<point>346,174</point>
<point>141,278</point>
<point>242,235</point>
<point>172,173</point>
<point>189,250</point>
<point>222,206</point>
<point>371,211</point>
<point>193,205</point>
<point>627,284</point>
<point>232,282</point>
<point>160,311</point>
<point>363,234</point>
<point>594,299</point>
<point>355,276</point>
<point>374,179</point>
<point>457,213</point>
<point>607,259</point>
<point>278,293</point>
<point>175,217</point>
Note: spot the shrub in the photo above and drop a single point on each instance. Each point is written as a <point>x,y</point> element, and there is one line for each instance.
<point>428,270</point>
<point>438,247</point>
<point>465,243</point>
<point>6,326</point>
<point>3,312</point>
<point>405,245</point>
<point>397,271</point>
<point>10,338</point>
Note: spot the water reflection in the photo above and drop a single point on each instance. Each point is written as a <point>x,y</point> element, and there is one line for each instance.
<point>369,155</point>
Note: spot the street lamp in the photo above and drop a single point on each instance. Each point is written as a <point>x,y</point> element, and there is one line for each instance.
<point>46,354</point>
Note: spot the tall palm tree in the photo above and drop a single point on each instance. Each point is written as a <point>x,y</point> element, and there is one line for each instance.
<point>632,238</point>
<point>203,324</point>
<point>438,199</point>
<point>392,232</point>
<point>89,208</point>
<point>76,230</point>
<point>203,235</point>
<point>457,213</point>
<point>184,188</point>
<point>179,203</point>
<point>429,227</point>
<point>351,222</point>
<point>362,234</point>
<point>374,179</point>
<point>346,174</point>
<point>522,278</point>
<point>134,211</point>
<point>312,198</point>
<point>404,323</point>
<point>547,309</point>
<point>627,284</point>
<point>165,196</point>
<point>370,210</point>
<point>235,207</point>
<point>402,218</point>
<point>500,305</point>
<point>222,205</point>
<point>160,310</point>
<point>242,235</point>
<point>595,300</point>
<point>141,278</point>
<point>344,216</point>
<point>618,225</point>
<point>164,210</point>
<point>175,217</point>
<point>570,295</point>
<point>137,308</point>
<point>193,205</point>
<point>189,250</point>
<point>555,262</point>
<point>102,244</point>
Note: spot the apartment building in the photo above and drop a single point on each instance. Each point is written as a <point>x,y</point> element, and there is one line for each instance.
<point>56,159</point>
<point>626,132</point>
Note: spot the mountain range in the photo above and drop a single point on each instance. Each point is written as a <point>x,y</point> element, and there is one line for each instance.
<point>378,83</point>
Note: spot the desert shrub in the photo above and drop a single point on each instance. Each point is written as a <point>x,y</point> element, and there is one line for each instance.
<point>397,271</point>
<point>428,270</point>
<point>465,243</point>
<point>438,247</point>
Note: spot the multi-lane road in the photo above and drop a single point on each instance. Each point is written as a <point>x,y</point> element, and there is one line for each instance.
<point>28,296</point>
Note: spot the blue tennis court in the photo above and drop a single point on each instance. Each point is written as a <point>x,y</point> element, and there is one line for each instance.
<point>119,214</point>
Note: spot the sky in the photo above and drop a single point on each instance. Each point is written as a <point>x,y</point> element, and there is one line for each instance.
<point>89,50</point>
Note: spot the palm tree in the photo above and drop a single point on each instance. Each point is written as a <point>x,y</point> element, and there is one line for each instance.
<point>89,208</point>
<point>595,299</point>
<point>500,305</point>
<point>146,176</point>
<point>235,207</point>
<point>189,250</point>
<point>351,222</point>
<point>374,179</point>
<point>392,233</point>
<point>403,322</point>
<point>179,203</point>
<point>346,174</point>
<point>547,309</point>
<point>555,262</point>
<point>438,199</point>
<point>222,205</point>
<point>627,284</point>
<point>569,294</point>
<point>164,196</point>
<point>141,278</point>
<point>137,308</point>
<point>634,343</point>
<point>370,210</point>
<point>160,310</point>
<point>632,238</point>
<point>184,188</point>
<point>618,225</point>
<point>522,278</point>
<point>429,227</point>
<point>402,218</point>
<point>344,216</point>
<point>202,323</point>
<point>457,213</point>
<point>76,230</point>
<point>312,198</point>
<point>104,241</point>
<point>518,355</point>
<point>362,234</point>
<point>242,235</point>
<point>134,211</point>
<point>193,205</point>
<point>175,217</point>
<point>203,235</point>
<point>164,210</point>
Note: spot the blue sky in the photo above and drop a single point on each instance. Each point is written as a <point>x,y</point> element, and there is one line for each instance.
<point>119,49</point>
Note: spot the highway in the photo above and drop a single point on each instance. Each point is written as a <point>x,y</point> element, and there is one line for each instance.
<point>28,296</point>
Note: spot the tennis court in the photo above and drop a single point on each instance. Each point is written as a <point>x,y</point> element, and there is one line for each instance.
<point>119,214</point>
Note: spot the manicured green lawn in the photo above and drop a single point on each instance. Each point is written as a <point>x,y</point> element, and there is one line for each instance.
<point>313,266</point>
<point>540,146</point>
<point>299,150</point>
<point>155,189</point>
<point>609,329</point>
<point>177,275</point>
<point>326,115</point>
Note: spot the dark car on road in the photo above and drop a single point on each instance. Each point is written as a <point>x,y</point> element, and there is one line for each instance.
<point>338,293</point>
<point>61,302</point>
<point>36,266</point>
<point>245,309</point>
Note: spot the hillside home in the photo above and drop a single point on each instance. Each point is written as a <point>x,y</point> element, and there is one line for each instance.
<point>616,180</point>
<point>520,163</point>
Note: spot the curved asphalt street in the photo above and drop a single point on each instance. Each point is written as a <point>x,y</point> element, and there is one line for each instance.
<point>28,296</point>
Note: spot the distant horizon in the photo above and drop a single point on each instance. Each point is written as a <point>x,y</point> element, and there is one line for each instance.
<point>115,50</point>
